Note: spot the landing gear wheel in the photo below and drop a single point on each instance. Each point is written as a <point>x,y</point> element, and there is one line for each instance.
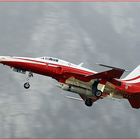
<point>88,102</point>
<point>27,85</point>
<point>98,93</point>
<point>95,91</point>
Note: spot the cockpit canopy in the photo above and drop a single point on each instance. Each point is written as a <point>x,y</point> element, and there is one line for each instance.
<point>50,58</point>
<point>60,61</point>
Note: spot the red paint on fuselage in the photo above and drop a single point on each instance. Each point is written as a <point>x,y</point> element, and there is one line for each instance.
<point>62,72</point>
<point>56,71</point>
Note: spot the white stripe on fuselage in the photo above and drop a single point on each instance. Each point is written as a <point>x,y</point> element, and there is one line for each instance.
<point>60,62</point>
<point>134,81</point>
<point>135,73</point>
<point>12,59</point>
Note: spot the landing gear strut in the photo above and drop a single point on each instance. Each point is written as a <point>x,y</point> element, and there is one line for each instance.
<point>27,84</point>
<point>95,91</point>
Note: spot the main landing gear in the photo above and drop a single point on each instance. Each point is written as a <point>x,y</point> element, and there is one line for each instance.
<point>27,84</point>
<point>95,91</point>
<point>88,102</point>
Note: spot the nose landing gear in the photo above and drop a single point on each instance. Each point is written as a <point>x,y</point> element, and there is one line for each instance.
<point>27,84</point>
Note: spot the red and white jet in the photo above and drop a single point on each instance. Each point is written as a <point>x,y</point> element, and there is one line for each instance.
<point>90,85</point>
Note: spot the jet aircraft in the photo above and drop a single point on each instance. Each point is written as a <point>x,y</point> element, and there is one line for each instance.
<point>90,85</point>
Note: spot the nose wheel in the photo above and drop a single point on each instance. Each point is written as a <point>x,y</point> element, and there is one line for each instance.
<point>27,84</point>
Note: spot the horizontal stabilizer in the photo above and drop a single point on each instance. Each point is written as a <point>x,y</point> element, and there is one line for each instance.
<point>135,101</point>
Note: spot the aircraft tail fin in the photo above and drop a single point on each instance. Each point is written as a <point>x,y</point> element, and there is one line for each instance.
<point>135,74</point>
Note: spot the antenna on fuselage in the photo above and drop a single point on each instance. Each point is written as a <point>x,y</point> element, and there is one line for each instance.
<point>81,64</point>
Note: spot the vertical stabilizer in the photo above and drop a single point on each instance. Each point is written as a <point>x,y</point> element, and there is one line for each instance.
<point>134,74</point>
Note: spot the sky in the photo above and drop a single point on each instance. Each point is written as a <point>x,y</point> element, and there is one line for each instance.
<point>91,33</point>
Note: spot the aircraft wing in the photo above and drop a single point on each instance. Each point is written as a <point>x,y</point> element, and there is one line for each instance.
<point>107,75</point>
